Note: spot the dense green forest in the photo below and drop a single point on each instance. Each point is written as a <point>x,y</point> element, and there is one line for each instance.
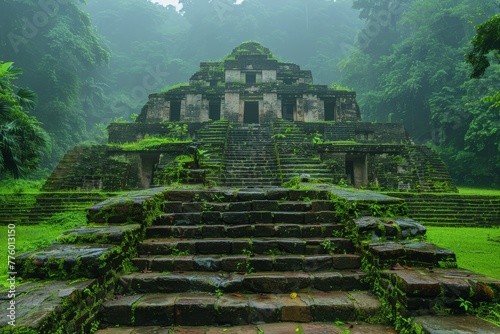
<point>92,62</point>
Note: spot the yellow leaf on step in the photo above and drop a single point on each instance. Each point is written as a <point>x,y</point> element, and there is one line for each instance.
<point>293,295</point>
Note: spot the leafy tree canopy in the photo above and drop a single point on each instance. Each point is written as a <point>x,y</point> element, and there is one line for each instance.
<point>486,40</point>
<point>22,141</point>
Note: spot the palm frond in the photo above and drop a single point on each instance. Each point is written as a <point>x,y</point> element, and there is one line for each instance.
<point>26,98</point>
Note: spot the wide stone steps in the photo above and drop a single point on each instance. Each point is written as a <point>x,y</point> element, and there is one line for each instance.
<point>282,327</point>
<point>242,282</point>
<point>244,218</point>
<point>235,309</point>
<point>247,230</point>
<point>238,246</point>
<point>241,263</point>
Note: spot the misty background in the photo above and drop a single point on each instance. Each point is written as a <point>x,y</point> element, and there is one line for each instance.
<point>96,62</point>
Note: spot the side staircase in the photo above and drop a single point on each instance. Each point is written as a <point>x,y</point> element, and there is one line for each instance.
<point>250,158</point>
<point>40,207</point>
<point>213,139</point>
<point>428,166</point>
<point>244,259</point>
<point>296,157</point>
<point>452,209</point>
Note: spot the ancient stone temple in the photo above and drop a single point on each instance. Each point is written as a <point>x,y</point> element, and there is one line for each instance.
<point>252,120</point>
<point>251,86</point>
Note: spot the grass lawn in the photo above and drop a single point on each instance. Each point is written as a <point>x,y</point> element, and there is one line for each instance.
<point>478,191</point>
<point>477,249</point>
<point>33,237</point>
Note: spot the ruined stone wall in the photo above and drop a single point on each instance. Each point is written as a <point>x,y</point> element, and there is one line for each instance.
<point>193,108</point>
<point>232,107</point>
<point>268,76</point>
<point>155,110</point>
<point>270,107</point>
<point>232,76</point>
<point>131,132</point>
<point>314,108</point>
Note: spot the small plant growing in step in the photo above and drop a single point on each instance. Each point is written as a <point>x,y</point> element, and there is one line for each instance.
<point>219,293</point>
<point>465,304</point>
<point>247,252</point>
<point>328,246</point>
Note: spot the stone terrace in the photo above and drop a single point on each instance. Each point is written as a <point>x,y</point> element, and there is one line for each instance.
<point>247,260</point>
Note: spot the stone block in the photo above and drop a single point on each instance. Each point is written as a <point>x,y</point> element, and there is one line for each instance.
<point>295,309</point>
<point>155,309</point>
<point>288,263</point>
<point>317,263</point>
<point>239,231</point>
<point>172,207</point>
<point>195,311</point>
<point>288,230</point>
<point>233,263</point>
<point>263,230</point>
<point>266,205</point>
<point>235,218</point>
<point>211,217</point>
<point>260,217</point>
<point>332,305</point>
<point>213,231</point>
<point>233,310</point>
<point>289,217</point>
<point>119,311</point>
<point>263,309</point>
<point>162,264</point>
<point>214,246</point>
<point>210,264</point>
<point>346,261</point>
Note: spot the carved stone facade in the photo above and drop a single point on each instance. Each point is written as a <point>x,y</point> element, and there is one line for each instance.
<point>250,86</point>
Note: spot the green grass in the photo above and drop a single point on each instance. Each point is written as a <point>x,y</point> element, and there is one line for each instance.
<point>36,236</point>
<point>12,186</point>
<point>475,247</point>
<point>478,191</point>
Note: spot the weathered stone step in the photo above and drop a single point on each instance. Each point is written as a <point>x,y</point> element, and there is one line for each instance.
<point>282,327</point>
<point>235,309</point>
<point>241,263</point>
<point>241,231</point>
<point>257,205</point>
<point>238,246</point>
<point>455,324</point>
<point>247,217</point>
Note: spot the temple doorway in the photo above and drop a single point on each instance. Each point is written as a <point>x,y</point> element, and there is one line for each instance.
<point>214,110</point>
<point>287,109</point>
<point>356,170</point>
<point>251,112</point>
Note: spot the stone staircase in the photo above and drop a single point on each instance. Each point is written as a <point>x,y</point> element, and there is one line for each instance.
<point>250,158</point>
<point>40,207</point>
<point>452,209</point>
<point>213,139</point>
<point>428,166</point>
<point>295,154</point>
<point>246,258</point>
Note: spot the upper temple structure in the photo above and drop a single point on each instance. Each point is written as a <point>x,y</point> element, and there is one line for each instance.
<point>252,120</point>
<point>251,86</point>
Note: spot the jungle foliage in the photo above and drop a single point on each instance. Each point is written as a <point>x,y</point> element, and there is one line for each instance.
<point>95,61</point>
<point>410,67</point>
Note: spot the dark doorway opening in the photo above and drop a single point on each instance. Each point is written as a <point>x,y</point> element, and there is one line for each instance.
<point>251,78</point>
<point>329,110</point>
<point>251,113</point>
<point>214,110</point>
<point>175,111</point>
<point>288,109</point>
<point>349,171</point>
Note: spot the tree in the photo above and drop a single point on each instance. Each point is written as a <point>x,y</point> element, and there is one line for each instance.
<point>486,40</point>
<point>22,141</point>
